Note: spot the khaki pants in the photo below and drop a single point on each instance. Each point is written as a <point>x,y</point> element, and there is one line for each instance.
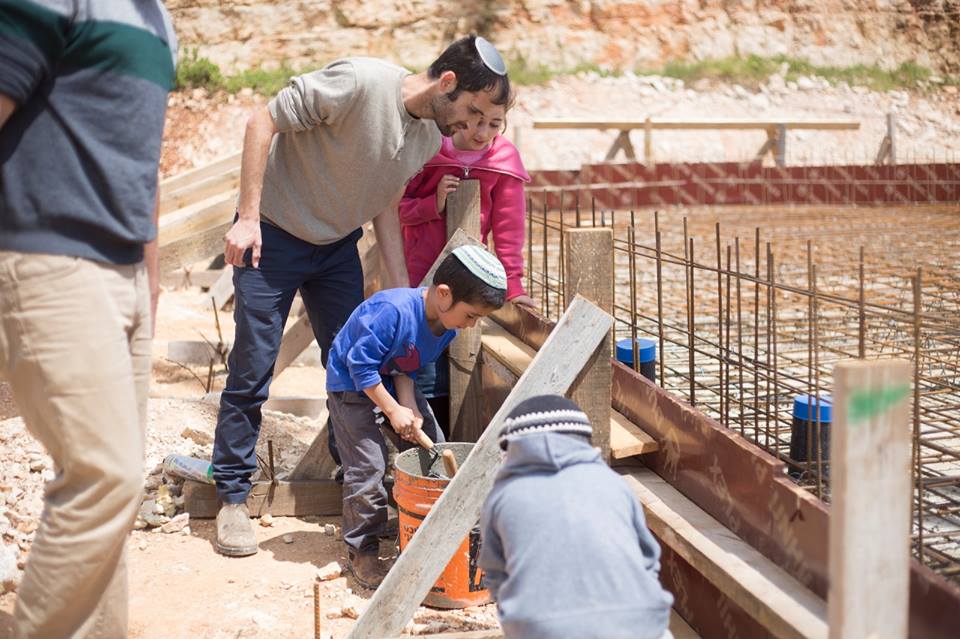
<point>75,346</point>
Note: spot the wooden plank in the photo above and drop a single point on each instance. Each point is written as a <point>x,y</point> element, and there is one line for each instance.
<point>198,174</point>
<point>296,338</point>
<point>718,124</point>
<point>766,592</point>
<point>463,213</point>
<point>588,271</point>
<point>285,499</point>
<point>626,438</point>
<point>316,463</point>
<point>459,238</point>
<point>197,217</point>
<point>174,199</point>
<point>221,291</point>
<point>579,333</point>
<point>190,250</point>
<point>869,557</point>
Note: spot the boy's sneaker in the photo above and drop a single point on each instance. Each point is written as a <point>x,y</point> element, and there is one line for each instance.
<point>366,569</point>
<point>235,536</point>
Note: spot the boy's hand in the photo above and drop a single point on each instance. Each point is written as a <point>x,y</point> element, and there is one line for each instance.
<point>525,300</point>
<point>447,185</point>
<point>405,422</point>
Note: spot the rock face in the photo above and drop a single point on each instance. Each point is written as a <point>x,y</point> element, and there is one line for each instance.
<point>242,33</point>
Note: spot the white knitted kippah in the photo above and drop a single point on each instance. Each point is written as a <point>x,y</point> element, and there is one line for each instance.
<point>483,264</point>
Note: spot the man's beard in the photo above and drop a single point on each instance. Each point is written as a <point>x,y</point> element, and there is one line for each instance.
<point>442,109</point>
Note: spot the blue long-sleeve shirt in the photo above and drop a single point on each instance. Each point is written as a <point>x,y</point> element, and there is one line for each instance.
<point>386,335</point>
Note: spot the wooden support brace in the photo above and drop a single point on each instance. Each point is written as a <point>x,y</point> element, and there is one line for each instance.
<point>221,291</point>
<point>870,514</point>
<point>621,142</point>
<point>283,499</point>
<point>463,213</point>
<point>888,146</point>
<point>588,271</point>
<point>578,335</point>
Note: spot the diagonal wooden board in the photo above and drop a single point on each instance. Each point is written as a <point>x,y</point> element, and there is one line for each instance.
<point>573,342</point>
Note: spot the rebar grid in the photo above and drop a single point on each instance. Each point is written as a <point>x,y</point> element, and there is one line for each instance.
<point>777,296</point>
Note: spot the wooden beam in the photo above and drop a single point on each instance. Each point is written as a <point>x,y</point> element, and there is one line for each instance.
<point>588,271</point>
<point>463,213</point>
<point>190,250</point>
<point>869,557</point>
<point>316,463</point>
<point>193,176</point>
<point>296,339</point>
<point>718,124</point>
<point>621,143</point>
<point>174,199</point>
<point>197,217</point>
<point>459,238</point>
<point>578,335</point>
<point>766,592</point>
<point>285,499</point>
<point>221,291</point>
<point>626,438</point>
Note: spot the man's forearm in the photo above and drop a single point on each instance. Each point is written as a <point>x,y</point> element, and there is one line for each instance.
<point>253,163</point>
<point>390,240</point>
<point>406,393</point>
<point>7,107</point>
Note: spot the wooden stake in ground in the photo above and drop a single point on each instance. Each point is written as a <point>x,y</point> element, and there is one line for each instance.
<point>577,336</point>
<point>466,394</point>
<point>588,271</point>
<point>870,517</point>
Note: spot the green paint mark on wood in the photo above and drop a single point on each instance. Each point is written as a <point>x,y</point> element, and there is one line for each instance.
<point>870,402</point>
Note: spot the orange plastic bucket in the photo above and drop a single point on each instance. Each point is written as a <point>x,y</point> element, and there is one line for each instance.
<point>415,493</point>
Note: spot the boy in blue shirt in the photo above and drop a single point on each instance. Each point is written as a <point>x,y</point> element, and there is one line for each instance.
<point>373,363</point>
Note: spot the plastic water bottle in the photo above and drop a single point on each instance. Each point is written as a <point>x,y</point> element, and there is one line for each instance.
<point>189,468</point>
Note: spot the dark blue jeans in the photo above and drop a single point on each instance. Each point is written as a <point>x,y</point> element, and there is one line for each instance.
<point>330,281</point>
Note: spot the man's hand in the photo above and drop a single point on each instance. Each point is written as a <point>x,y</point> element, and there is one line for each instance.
<point>447,185</point>
<point>243,235</point>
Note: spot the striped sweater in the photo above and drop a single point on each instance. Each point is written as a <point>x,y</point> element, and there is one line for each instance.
<point>79,155</point>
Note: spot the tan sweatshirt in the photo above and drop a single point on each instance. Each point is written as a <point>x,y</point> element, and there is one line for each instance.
<point>346,146</point>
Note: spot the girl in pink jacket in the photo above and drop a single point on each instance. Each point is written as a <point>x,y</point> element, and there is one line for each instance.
<point>475,153</point>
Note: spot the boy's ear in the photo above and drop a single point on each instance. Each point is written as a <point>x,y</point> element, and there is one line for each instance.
<point>443,290</point>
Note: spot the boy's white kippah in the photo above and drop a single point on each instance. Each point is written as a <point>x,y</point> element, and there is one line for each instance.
<point>483,264</point>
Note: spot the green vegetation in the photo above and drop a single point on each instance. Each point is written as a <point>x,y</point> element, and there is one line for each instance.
<point>754,70</point>
<point>194,71</point>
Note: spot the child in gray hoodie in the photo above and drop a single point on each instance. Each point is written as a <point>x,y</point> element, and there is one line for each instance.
<point>565,548</point>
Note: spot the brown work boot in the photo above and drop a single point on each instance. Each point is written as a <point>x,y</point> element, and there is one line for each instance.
<point>366,569</point>
<point>235,536</point>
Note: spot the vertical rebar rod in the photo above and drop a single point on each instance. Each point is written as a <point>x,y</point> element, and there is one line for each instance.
<point>726,348</point>
<point>809,442</point>
<point>769,365</point>
<point>577,204</point>
<point>692,324</point>
<point>632,247</point>
<point>546,265</point>
<point>816,378</point>
<point>772,273</point>
<point>529,264</point>
<point>720,322</point>
<point>562,293</point>
<point>756,338</point>
<point>593,211</point>
<point>740,360</point>
<point>861,333</point>
<point>917,292</point>
<point>316,610</point>
<point>661,355</point>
